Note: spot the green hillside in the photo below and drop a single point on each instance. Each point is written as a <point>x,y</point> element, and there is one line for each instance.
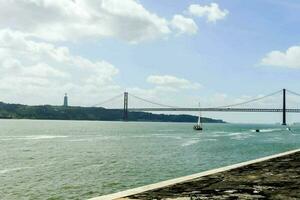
<point>18,111</point>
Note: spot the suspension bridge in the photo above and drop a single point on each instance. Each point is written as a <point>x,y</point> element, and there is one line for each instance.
<point>237,107</point>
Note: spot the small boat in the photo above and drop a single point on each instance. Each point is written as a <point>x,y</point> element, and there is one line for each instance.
<point>198,126</point>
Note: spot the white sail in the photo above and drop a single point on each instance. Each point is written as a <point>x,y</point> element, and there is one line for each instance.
<point>198,127</point>
<point>199,120</point>
<point>199,117</point>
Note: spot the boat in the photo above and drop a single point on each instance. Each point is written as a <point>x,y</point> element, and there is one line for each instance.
<point>198,126</point>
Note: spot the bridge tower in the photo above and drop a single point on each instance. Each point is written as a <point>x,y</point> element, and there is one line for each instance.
<point>125,110</point>
<point>284,107</point>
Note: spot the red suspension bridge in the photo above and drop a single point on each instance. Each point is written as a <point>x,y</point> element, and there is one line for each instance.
<point>238,107</point>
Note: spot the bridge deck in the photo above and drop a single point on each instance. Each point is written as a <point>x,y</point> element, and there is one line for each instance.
<point>212,110</point>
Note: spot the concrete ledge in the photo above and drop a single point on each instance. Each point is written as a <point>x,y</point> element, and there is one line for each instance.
<point>187,178</point>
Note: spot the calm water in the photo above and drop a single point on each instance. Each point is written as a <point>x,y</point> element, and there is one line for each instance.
<point>78,160</point>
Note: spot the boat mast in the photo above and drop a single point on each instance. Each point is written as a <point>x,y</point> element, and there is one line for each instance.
<point>199,117</point>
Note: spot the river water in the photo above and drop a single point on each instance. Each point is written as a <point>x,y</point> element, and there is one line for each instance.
<point>80,159</point>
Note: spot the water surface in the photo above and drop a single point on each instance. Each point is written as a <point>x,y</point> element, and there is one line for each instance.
<point>80,159</point>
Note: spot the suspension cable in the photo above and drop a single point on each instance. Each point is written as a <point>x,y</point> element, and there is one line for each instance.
<point>294,93</point>
<point>291,100</point>
<point>250,101</point>
<point>169,106</point>
<point>155,103</point>
<point>108,100</point>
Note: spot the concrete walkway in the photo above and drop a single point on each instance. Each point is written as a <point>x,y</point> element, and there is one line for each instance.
<point>272,177</point>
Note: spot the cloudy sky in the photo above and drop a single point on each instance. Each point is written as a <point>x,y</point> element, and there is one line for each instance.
<point>176,52</point>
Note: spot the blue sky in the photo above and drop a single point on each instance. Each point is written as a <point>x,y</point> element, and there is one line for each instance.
<point>220,56</point>
<point>104,47</point>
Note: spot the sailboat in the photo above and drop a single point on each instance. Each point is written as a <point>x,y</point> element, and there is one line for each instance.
<point>198,126</point>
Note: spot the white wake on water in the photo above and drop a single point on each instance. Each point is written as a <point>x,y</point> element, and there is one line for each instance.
<point>268,130</point>
<point>171,136</point>
<point>190,142</point>
<point>166,130</point>
<point>237,133</point>
<point>195,141</point>
<point>4,171</point>
<point>33,137</point>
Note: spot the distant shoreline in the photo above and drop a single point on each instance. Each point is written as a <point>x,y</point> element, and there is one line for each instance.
<point>76,113</point>
<point>121,121</point>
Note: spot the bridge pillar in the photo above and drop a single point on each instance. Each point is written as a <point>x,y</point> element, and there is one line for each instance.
<point>125,110</point>
<point>284,107</point>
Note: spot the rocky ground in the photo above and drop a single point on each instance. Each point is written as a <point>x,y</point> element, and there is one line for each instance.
<point>278,178</point>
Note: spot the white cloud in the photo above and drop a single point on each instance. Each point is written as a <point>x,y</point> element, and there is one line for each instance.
<point>290,58</point>
<point>62,20</point>
<point>184,25</point>
<point>34,69</point>
<point>172,82</point>
<point>212,12</point>
<point>41,72</point>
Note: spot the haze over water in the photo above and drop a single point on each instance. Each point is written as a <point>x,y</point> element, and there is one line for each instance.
<point>80,159</point>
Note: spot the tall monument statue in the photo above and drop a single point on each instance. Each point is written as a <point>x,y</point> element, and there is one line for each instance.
<point>66,100</point>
